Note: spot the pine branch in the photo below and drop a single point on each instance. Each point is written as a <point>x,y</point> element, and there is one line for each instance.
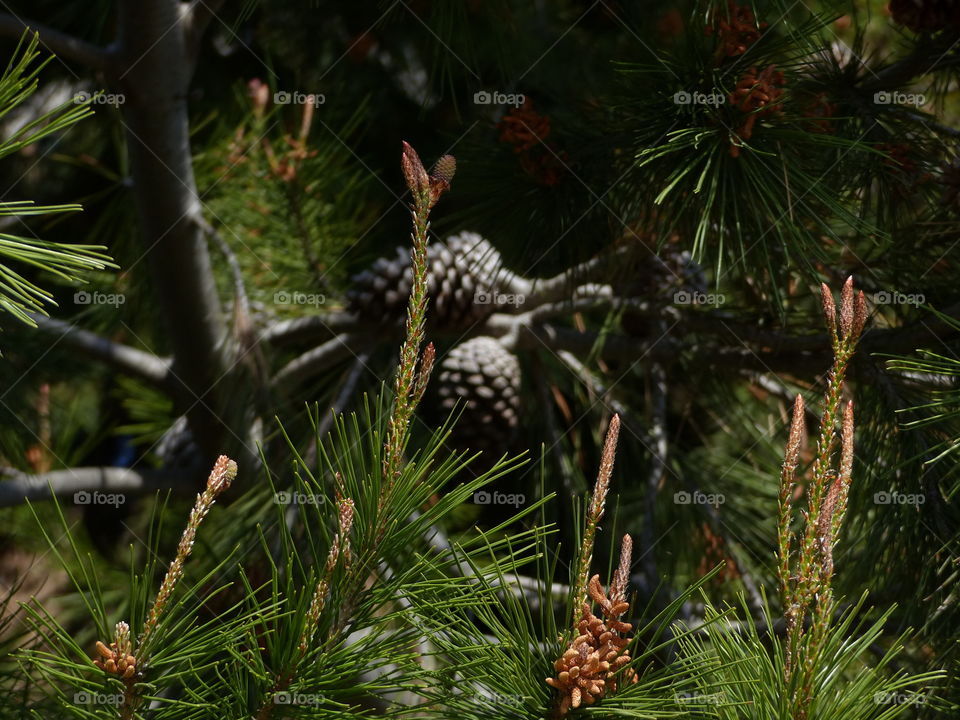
<point>318,359</point>
<point>426,190</point>
<point>139,654</point>
<point>59,43</point>
<point>17,487</point>
<point>595,511</point>
<point>311,328</point>
<point>146,366</point>
<point>806,585</point>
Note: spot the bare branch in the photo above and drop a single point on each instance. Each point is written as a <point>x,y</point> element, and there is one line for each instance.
<point>312,328</point>
<point>560,287</point>
<point>61,44</point>
<point>138,363</point>
<point>20,487</point>
<point>318,359</point>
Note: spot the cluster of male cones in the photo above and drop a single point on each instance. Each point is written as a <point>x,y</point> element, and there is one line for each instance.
<point>594,663</point>
<point>587,670</point>
<point>117,659</point>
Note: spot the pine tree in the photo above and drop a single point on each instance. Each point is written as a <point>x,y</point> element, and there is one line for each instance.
<point>631,256</point>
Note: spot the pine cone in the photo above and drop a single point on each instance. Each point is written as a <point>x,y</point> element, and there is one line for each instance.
<point>485,378</point>
<point>463,271</point>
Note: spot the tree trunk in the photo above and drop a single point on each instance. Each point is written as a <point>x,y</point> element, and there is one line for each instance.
<point>153,72</point>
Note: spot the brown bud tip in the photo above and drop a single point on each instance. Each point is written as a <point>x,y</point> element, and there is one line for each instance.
<point>417,179</point>
<point>223,473</point>
<point>846,308</point>
<point>829,309</point>
<point>259,93</point>
<point>859,315</point>
<point>104,650</point>
<point>128,673</point>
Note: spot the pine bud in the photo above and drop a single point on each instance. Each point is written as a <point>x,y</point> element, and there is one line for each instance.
<point>223,473</point>
<point>417,179</point>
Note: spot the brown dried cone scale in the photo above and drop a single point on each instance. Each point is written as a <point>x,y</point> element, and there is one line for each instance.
<point>484,378</point>
<point>463,274</point>
<point>593,664</point>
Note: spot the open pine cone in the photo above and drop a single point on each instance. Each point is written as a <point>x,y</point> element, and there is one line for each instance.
<point>463,271</point>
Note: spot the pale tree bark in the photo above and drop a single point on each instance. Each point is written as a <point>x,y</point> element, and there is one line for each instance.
<point>153,71</point>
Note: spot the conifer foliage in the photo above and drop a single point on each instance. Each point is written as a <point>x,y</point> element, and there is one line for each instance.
<point>574,411</point>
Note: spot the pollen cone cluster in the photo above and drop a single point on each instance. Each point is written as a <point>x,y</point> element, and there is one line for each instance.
<point>117,659</point>
<point>588,669</point>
